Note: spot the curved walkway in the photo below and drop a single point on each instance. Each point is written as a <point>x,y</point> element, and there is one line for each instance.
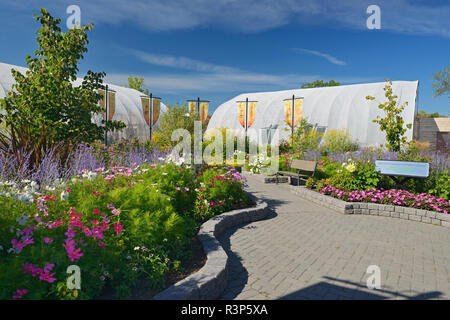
<point>304,251</point>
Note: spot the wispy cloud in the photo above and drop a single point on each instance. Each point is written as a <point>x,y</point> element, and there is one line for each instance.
<point>330,58</point>
<point>188,74</point>
<point>180,62</point>
<point>402,16</point>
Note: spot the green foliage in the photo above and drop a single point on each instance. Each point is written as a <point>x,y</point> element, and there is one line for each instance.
<point>175,118</point>
<point>442,82</point>
<point>337,141</point>
<point>44,107</point>
<point>392,123</point>
<point>441,187</point>
<point>320,83</point>
<point>423,114</point>
<point>137,83</point>
<point>310,183</point>
<point>305,138</point>
<point>159,207</point>
<point>359,175</point>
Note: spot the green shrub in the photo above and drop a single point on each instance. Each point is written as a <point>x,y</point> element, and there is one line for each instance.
<point>337,141</point>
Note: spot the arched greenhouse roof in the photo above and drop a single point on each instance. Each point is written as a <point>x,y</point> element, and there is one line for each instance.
<point>340,107</point>
<point>128,105</point>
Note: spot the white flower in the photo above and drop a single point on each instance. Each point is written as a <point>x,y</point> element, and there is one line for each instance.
<point>49,188</point>
<point>64,195</point>
<point>164,173</point>
<point>136,248</point>
<point>22,219</point>
<point>134,269</point>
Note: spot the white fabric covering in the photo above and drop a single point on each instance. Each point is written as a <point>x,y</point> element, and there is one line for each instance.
<point>340,107</point>
<point>128,105</point>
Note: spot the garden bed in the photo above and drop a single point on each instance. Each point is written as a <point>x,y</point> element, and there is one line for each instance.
<point>117,225</point>
<point>344,207</point>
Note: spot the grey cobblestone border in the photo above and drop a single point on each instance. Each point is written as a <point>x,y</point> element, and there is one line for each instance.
<point>211,280</point>
<point>425,216</point>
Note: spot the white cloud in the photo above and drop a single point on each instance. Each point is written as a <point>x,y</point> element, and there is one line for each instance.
<point>330,58</point>
<point>403,16</point>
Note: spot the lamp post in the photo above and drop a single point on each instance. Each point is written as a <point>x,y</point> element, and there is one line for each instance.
<point>245,121</point>
<point>202,114</point>
<point>198,102</point>
<point>150,111</point>
<point>106,115</point>
<point>293,100</point>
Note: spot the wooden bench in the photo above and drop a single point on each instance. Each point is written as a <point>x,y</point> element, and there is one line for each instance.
<point>406,169</point>
<point>300,165</point>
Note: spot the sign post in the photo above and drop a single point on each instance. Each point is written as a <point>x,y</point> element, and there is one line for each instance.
<point>152,115</point>
<point>108,109</point>
<point>293,111</point>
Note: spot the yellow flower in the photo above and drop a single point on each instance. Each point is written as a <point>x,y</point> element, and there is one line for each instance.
<point>351,167</point>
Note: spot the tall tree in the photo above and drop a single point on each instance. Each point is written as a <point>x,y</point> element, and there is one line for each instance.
<point>320,83</point>
<point>44,107</point>
<point>392,123</point>
<point>137,83</point>
<point>442,82</point>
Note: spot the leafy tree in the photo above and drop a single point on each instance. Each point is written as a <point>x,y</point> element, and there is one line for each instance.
<point>423,114</point>
<point>442,85</point>
<point>320,83</point>
<point>393,122</point>
<point>137,83</point>
<point>44,107</point>
<point>176,117</point>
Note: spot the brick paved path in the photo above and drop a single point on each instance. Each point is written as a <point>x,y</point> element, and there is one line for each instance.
<point>304,251</point>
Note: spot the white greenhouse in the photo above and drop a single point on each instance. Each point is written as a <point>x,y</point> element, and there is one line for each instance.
<point>127,103</point>
<point>340,107</point>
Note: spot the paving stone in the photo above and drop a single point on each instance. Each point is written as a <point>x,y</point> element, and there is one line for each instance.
<point>307,251</point>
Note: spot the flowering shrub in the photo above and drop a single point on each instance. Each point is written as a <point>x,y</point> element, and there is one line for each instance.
<point>337,141</point>
<point>393,197</point>
<point>355,175</point>
<point>258,163</point>
<point>118,225</point>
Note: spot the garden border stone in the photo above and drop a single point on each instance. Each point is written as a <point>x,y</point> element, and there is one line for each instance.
<point>211,280</point>
<point>341,206</point>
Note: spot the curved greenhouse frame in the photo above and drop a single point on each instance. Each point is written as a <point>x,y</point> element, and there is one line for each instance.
<point>128,106</point>
<point>327,108</point>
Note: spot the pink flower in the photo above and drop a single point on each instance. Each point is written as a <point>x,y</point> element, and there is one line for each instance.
<point>118,228</point>
<point>96,193</point>
<point>178,188</point>
<point>115,211</point>
<point>96,211</point>
<point>48,240</point>
<point>20,293</point>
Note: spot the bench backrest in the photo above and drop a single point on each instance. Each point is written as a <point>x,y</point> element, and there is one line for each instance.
<point>403,168</point>
<point>304,165</point>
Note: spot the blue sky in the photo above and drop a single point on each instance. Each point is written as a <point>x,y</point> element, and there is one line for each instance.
<point>217,49</point>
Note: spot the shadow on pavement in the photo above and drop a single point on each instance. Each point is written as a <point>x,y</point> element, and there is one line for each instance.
<point>332,291</point>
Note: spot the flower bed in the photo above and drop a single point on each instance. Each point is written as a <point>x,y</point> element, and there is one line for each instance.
<point>118,225</point>
<point>391,197</point>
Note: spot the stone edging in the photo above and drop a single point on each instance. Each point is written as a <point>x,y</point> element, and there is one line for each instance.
<point>211,280</point>
<point>341,206</point>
